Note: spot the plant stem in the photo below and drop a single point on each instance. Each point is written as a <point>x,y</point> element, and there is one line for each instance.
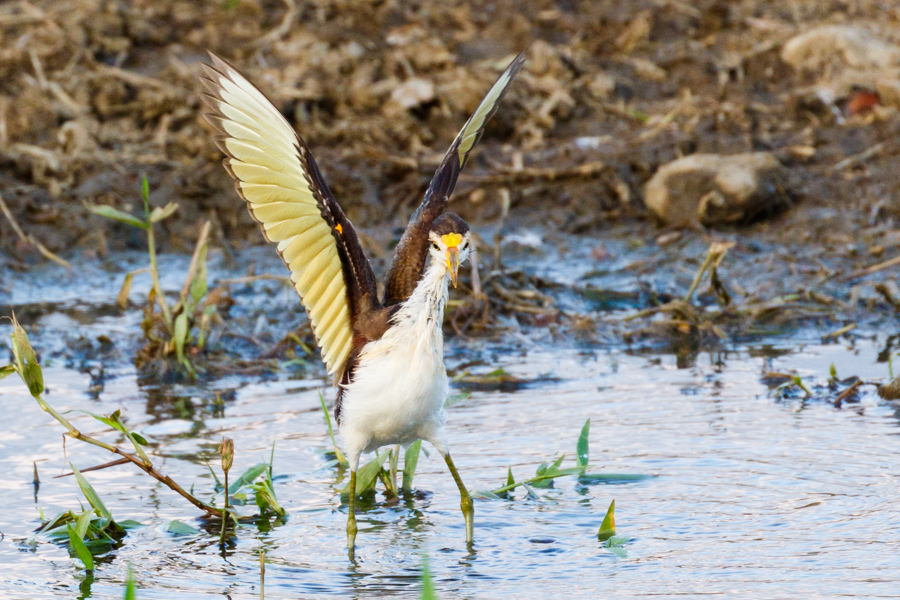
<point>154,272</point>
<point>225,512</point>
<point>147,467</point>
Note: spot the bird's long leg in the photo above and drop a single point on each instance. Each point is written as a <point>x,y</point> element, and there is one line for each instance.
<point>465,500</point>
<point>351,515</point>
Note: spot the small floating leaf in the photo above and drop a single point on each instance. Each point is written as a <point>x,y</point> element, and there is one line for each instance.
<point>179,528</point>
<point>589,478</point>
<point>80,549</point>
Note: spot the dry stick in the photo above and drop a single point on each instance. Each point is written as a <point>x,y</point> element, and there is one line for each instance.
<point>526,174</point>
<point>262,575</point>
<point>29,238</point>
<point>858,158</point>
<point>147,468</point>
<point>874,268</point>
<point>283,28</point>
<point>195,259</point>
<point>843,395</point>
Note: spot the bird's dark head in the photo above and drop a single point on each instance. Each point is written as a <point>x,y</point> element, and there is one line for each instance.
<point>450,244</point>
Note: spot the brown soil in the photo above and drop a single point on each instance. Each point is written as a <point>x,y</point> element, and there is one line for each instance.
<point>94,94</point>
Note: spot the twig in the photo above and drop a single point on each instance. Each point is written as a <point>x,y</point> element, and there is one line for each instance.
<point>858,158</point>
<point>195,259</point>
<point>29,238</point>
<point>283,28</point>
<point>846,393</point>
<point>874,268</point>
<point>112,463</point>
<point>527,174</point>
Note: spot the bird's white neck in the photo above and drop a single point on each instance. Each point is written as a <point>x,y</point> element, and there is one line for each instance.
<point>425,306</point>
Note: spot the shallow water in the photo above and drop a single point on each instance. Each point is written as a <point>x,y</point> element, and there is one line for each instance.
<point>755,497</point>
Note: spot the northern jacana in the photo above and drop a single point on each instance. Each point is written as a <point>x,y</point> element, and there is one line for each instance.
<point>386,355</point>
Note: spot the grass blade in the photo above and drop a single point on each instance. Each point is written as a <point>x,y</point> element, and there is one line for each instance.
<point>247,477</point>
<point>581,449</point>
<point>130,592</point>
<point>410,462</point>
<point>428,592</point>
<point>90,494</point>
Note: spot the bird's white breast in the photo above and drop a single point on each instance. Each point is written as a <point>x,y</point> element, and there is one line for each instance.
<point>400,384</point>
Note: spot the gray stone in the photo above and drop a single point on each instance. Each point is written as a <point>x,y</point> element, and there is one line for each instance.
<point>710,189</point>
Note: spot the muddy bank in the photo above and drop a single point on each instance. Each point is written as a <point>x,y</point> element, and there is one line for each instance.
<point>94,94</point>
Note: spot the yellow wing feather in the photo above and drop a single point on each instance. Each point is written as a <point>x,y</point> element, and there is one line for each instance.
<point>264,159</point>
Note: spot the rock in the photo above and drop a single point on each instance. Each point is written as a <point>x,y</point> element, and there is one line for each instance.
<point>709,189</point>
<point>839,45</point>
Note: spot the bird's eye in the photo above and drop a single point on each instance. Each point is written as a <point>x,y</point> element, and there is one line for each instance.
<point>465,245</point>
<point>435,246</point>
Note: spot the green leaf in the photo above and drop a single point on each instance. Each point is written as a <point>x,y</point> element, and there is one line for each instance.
<point>130,593</point>
<point>181,334</point>
<point>247,477</point>
<point>83,522</point>
<point>90,494</point>
<point>367,476</point>
<point>618,551</point>
<point>581,448</point>
<point>510,480</point>
<point>608,527</point>
<point>80,549</point>
<point>486,495</point>
<point>589,478</point>
<point>7,371</point>
<point>456,398</point>
<point>410,462</point>
<point>179,528</point>
<point>199,285</point>
<point>117,215</point>
<point>160,213</point>
<point>265,497</point>
<point>129,524</point>
<point>26,361</point>
<point>337,450</point>
<point>428,592</point>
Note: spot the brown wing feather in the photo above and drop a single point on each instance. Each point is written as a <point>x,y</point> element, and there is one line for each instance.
<point>409,257</point>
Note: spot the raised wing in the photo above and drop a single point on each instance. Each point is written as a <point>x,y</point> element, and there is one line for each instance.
<point>275,173</point>
<point>409,258</point>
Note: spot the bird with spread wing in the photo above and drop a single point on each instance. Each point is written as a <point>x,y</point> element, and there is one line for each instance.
<point>386,355</point>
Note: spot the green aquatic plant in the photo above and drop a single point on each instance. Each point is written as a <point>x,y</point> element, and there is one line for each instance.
<point>552,469</point>
<point>428,592</point>
<point>607,534</point>
<point>88,532</point>
<point>169,331</point>
<point>255,483</point>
